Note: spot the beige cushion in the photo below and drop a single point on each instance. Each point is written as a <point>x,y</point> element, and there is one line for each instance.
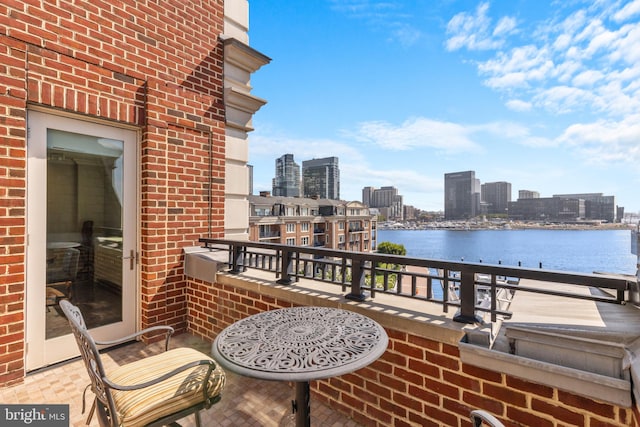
<point>140,407</point>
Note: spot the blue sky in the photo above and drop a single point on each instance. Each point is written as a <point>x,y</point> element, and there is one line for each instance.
<point>544,94</point>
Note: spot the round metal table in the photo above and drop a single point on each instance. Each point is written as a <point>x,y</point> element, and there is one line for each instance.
<point>300,344</point>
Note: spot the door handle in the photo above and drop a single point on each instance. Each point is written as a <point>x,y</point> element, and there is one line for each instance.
<point>133,258</point>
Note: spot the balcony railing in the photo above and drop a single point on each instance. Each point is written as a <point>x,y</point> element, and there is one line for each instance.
<point>269,234</point>
<point>469,287</point>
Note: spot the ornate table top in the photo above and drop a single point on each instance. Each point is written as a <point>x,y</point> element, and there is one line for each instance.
<point>300,344</point>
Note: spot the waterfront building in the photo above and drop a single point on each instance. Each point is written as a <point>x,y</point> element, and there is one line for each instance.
<point>597,206</point>
<point>565,207</point>
<point>528,194</point>
<point>461,195</point>
<point>321,178</point>
<point>547,209</point>
<point>409,212</point>
<point>327,223</point>
<point>496,196</point>
<point>287,180</point>
<point>386,199</point>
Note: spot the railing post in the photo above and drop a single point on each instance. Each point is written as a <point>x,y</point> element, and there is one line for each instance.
<point>236,259</point>
<point>286,267</point>
<point>357,280</point>
<point>467,313</point>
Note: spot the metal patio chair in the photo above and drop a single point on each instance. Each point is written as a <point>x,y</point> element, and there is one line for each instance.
<point>153,391</point>
<point>480,417</point>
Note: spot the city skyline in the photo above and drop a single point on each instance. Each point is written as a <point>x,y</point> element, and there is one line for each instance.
<point>540,94</point>
<point>497,192</point>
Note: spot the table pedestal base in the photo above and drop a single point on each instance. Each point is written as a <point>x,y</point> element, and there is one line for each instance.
<point>302,405</point>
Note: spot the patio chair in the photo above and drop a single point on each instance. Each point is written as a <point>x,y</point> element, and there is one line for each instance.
<point>153,391</point>
<point>61,275</point>
<point>480,417</point>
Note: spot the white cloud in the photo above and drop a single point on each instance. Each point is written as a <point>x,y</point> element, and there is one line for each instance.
<point>473,31</point>
<point>380,14</point>
<point>564,99</point>
<point>518,68</point>
<point>406,35</point>
<point>416,132</point>
<point>274,146</point>
<point>519,105</point>
<point>628,11</point>
<point>581,62</point>
<point>606,140</point>
<point>506,25</point>
<point>588,78</point>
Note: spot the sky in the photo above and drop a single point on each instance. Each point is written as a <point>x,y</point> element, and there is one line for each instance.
<point>544,94</point>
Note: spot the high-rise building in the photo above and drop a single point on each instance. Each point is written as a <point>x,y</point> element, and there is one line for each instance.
<point>321,178</point>
<point>461,195</point>
<point>497,196</point>
<point>386,200</point>
<point>528,194</point>
<point>367,195</point>
<point>287,180</point>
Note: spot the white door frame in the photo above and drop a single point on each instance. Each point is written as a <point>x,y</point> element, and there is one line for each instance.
<point>40,351</point>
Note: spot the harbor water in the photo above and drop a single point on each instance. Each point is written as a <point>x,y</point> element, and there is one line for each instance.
<point>583,251</point>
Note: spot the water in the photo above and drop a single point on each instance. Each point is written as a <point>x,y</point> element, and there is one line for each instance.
<point>583,251</point>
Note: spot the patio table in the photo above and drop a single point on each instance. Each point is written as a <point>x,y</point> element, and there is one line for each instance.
<point>300,344</point>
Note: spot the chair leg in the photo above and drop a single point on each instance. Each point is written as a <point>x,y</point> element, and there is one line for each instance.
<point>91,411</point>
<point>197,415</point>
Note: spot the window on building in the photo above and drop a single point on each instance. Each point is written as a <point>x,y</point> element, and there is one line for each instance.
<point>291,241</point>
<point>304,241</point>
<point>304,226</point>
<point>291,211</point>
<point>291,228</point>
<point>304,211</point>
<point>341,226</point>
<point>341,238</point>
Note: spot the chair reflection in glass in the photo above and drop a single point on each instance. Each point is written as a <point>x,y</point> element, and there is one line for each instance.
<point>61,273</point>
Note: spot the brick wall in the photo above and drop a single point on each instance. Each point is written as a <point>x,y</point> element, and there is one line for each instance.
<point>419,381</point>
<point>12,208</point>
<point>155,65</point>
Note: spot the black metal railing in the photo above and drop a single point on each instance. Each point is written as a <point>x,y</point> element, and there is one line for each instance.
<point>471,287</point>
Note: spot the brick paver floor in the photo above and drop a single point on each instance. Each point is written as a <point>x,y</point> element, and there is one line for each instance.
<point>245,402</point>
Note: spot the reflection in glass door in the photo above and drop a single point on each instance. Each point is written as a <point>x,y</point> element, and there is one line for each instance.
<point>84,228</point>
<point>81,225</point>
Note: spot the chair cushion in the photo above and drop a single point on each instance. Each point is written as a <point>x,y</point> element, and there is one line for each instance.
<point>140,407</point>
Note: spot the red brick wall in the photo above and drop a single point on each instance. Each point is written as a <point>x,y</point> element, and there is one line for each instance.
<point>156,65</point>
<point>417,382</point>
<point>12,208</point>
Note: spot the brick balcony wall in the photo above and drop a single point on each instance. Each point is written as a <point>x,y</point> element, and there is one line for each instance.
<point>419,381</point>
<point>154,67</point>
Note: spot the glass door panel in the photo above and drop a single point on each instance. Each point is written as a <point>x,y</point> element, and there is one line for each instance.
<point>84,228</point>
<point>81,222</point>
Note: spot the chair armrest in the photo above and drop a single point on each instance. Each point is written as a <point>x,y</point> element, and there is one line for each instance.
<point>211,363</point>
<point>479,415</point>
<point>168,330</point>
